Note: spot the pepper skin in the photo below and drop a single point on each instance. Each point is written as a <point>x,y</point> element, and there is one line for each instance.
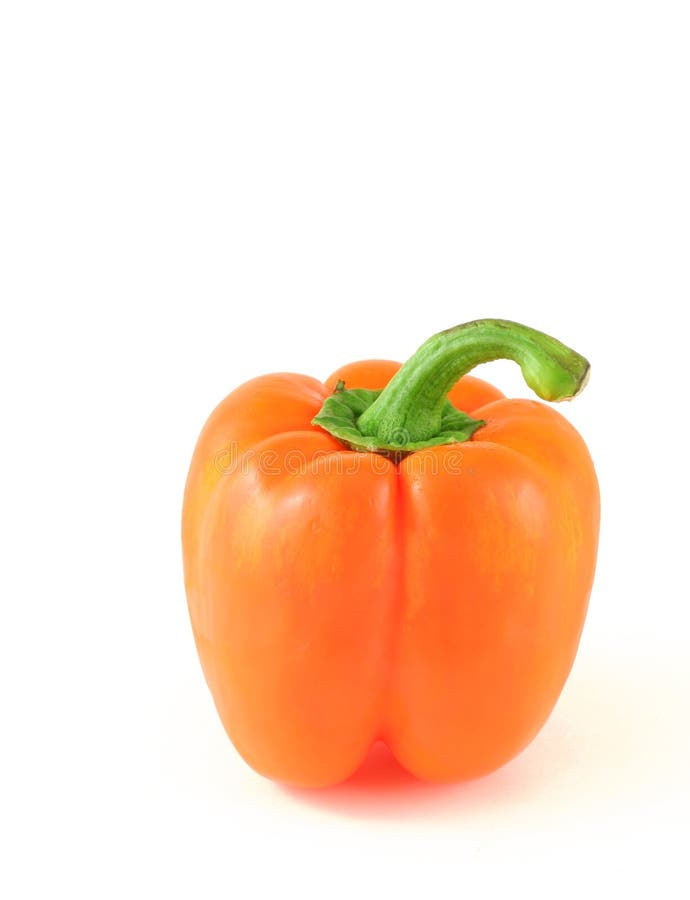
<point>434,601</point>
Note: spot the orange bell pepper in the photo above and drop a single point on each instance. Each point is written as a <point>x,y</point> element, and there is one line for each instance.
<point>400,553</point>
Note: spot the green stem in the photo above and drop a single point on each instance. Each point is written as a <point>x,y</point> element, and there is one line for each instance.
<point>414,400</point>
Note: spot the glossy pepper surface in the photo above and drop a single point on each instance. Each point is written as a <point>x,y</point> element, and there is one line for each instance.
<point>399,553</point>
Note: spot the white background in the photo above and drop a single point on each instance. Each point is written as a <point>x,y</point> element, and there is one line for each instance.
<point>195,193</point>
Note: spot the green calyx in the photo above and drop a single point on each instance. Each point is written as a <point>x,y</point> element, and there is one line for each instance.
<point>413,411</point>
<point>342,411</point>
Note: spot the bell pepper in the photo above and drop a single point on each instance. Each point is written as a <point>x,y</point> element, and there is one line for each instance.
<point>398,554</point>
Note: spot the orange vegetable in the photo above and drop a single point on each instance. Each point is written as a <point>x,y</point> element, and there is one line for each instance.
<point>366,564</point>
